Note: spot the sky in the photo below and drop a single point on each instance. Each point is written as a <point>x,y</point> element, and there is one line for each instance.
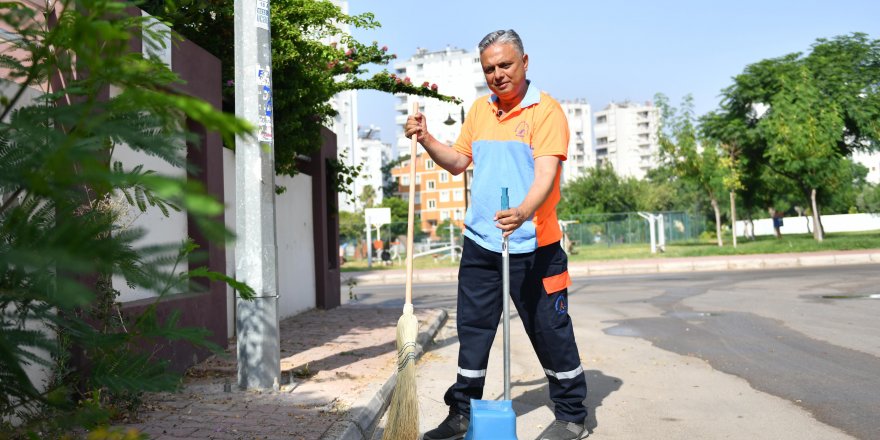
<point>614,50</point>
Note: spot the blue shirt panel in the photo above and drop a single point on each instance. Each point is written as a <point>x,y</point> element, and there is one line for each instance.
<point>499,164</point>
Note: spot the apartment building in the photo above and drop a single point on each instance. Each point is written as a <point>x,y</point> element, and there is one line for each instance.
<point>374,154</point>
<point>580,146</point>
<point>439,196</point>
<point>626,138</point>
<point>871,161</point>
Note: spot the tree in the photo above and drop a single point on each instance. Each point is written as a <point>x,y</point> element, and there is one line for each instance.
<point>600,190</point>
<point>60,238</point>
<point>367,196</point>
<point>308,69</point>
<point>802,114</point>
<point>399,212</point>
<point>868,199</point>
<point>692,157</point>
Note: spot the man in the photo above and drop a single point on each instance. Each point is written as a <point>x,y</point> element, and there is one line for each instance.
<point>516,138</point>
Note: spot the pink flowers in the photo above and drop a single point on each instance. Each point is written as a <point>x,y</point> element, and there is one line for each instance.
<point>426,84</point>
<point>384,48</point>
<point>348,53</point>
<point>407,80</point>
<point>434,87</point>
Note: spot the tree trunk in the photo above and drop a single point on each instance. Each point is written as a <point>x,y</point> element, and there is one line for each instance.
<point>717,222</point>
<point>817,225</point>
<point>733,216</point>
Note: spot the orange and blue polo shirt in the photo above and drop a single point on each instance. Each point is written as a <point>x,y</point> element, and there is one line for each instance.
<point>503,150</point>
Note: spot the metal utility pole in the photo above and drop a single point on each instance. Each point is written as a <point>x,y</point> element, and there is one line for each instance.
<point>259,350</point>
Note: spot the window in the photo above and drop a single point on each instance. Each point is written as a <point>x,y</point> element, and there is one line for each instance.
<point>444,215</point>
<point>601,119</point>
<point>418,179</point>
<point>429,164</point>
<point>458,177</point>
<point>458,215</point>
<point>644,125</point>
<point>458,195</point>
<point>601,141</point>
<point>643,114</point>
<point>431,184</point>
<point>444,196</point>
<point>432,204</point>
<point>444,177</point>
<point>577,112</point>
<point>643,136</point>
<point>404,180</point>
<point>418,198</point>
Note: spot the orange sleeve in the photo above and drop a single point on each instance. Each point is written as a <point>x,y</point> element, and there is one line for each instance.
<point>466,137</point>
<point>551,133</point>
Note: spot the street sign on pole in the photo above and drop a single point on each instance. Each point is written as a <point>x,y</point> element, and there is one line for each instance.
<point>257,336</point>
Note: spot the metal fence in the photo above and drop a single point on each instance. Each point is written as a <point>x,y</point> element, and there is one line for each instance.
<point>583,230</point>
<point>630,227</point>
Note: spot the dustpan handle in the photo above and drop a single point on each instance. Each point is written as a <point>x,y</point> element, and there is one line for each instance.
<point>505,270</point>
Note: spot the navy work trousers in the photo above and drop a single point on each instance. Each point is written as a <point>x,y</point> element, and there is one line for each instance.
<point>544,315</point>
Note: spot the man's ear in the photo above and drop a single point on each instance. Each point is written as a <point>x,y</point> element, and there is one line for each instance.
<point>526,61</point>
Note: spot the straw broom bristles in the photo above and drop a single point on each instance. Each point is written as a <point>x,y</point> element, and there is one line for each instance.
<point>403,414</point>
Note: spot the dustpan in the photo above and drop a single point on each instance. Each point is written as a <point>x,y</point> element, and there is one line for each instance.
<point>495,419</point>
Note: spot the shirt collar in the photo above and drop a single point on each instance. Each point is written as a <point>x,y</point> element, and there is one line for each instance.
<point>533,96</point>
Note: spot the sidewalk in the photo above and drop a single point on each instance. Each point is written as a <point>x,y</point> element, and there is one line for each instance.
<point>336,373</point>
<point>337,365</point>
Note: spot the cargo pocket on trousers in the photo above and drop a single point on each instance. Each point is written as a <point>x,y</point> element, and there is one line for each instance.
<point>557,283</point>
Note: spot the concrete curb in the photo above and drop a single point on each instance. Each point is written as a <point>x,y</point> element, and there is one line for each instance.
<point>630,267</point>
<point>370,407</point>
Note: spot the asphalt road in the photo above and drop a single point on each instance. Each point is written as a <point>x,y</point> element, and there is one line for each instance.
<point>808,336</point>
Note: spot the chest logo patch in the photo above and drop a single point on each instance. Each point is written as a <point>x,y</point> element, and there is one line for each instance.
<point>521,130</point>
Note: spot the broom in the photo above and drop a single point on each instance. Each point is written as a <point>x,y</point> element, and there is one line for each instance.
<point>403,414</point>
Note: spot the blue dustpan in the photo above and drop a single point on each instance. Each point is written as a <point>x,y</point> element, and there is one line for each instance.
<point>495,419</point>
<point>492,419</point>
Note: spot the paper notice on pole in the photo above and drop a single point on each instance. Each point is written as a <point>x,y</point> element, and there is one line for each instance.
<point>263,14</point>
<point>264,103</point>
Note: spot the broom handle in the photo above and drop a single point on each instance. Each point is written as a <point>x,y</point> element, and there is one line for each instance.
<point>505,268</point>
<point>410,217</point>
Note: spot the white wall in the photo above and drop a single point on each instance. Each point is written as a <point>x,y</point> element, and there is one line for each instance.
<point>159,230</point>
<point>294,239</point>
<point>296,246</point>
<point>831,223</point>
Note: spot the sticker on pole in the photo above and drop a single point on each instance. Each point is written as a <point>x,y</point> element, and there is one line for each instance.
<point>264,104</point>
<point>263,14</point>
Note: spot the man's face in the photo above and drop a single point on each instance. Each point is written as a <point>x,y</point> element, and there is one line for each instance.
<point>505,70</point>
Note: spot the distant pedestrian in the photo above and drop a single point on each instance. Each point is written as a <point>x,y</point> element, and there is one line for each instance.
<point>777,221</point>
